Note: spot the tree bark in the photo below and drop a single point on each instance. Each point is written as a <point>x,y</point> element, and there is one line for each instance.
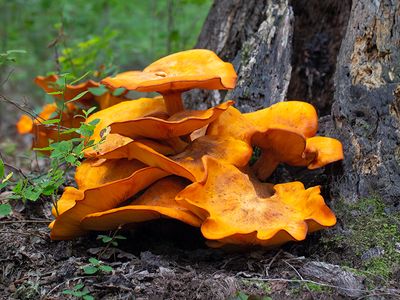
<point>256,37</point>
<point>366,111</point>
<point>283,49</point>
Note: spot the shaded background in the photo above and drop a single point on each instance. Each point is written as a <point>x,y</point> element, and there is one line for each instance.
<point>87,35</point>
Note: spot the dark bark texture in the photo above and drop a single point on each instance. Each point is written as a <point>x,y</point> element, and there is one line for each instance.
<point>256,36</point>
<point>342,56</point>
<point>366,110</point>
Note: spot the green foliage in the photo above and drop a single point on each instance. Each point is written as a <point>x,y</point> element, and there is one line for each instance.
<point>243,296</point>
<point>94,35</point>
<point>64,155</point>
<point>96,266</point>
<point>79,291</point>
<point>9,56</point>
<point>112,240</point>
<point>5,208</point>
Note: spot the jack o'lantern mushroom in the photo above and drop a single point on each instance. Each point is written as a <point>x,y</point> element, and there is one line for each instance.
<point>42,133</point>
<point>156,202</point>
<point>285,134</point>
<point>75,204</point>
<point>239,211</point>
<point>176,73</point>
<point>104,100</point>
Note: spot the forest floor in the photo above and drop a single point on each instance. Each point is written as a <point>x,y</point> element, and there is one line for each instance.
<point>166,260</point>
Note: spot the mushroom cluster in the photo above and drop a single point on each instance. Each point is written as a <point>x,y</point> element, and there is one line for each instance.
<point>162,161</point>
<point>42,132</point>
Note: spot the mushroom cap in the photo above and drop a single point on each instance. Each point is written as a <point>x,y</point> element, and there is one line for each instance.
<point>76,204</point>
<point>197,68</point>
<point>156,202</point>
<point>42,133</point>
<point>25,123</point>
<point>189,164</point>
<point>284,132</point>
<point>93,172</point>
<point>295,115</point>
<point>126,111</point>
<point>232,205</point>
<point>179,124</point>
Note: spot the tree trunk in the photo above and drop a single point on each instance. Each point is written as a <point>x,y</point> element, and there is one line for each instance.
<point>291,50</point>
<point>366,110</point>
<point>256,36</point>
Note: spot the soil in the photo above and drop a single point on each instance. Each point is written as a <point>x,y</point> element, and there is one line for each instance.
<point>165,260</point>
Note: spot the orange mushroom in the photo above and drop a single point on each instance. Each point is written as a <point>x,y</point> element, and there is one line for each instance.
<point>71,91</point>
<point>298,116</point>
<point>284,132</point>
<point>47,83</point>
<point>76,204</point>
<point>158,201</point>
<point>179,124</point>
<point>92,172</point>
<point>42,133</point>
<point>235,209</point>
<point>120,112</point>
<point>189,164</point>
<point>172,75</point>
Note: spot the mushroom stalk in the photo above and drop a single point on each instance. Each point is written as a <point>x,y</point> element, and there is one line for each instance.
<point>173,102</point>
<point>265,166</point>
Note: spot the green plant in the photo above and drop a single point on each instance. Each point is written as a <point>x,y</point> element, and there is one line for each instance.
<point>96,266</point>
<point>79,291</point>
<point>64,154</point>
<point>243,296</point>
<point>5,208</point>
<point>112,240</point>
<point>9,56</point>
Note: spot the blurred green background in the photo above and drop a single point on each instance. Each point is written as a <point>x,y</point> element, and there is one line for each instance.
<point>87,35</point>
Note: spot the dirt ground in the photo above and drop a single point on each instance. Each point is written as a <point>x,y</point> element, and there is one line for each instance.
<point>165,260</point>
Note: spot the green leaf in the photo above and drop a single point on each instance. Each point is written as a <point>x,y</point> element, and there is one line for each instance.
<point>18,187</point>
<point>78,286</point>
<point>16,51</point>
<point>31,193</point>
<point>89,270</point>
<point>89,111</point>
<point>67,292</point>
<point>7,178</point>
<point>5,209</point>
<point>94,122</point>
<point>77,97</point>
<point>105,268</point>
<point>106,239</point>
<point>43,149</point>
<point>68,131</point>
<point>94,261</point>
<point>1,168</point>
<point>98,91</point>
<point>80,78</point>
<point>52,121</point>
<point>118,92</point>
<point>240,296</point>
<point>120,237</point>
<point>56,93</point>
<point>88,297</point>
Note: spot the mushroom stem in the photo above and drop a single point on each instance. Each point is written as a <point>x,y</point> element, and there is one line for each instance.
<point>173,102</point>
<point>265,166</point>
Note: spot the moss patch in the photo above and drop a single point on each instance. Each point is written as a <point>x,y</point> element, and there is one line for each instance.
<point>369,235</point>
